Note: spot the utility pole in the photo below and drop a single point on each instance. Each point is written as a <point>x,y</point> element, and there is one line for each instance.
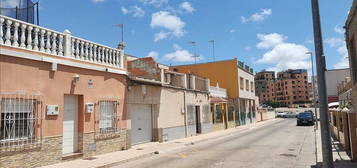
<point>193,43</point>
<point>327,157</point>
<point>313,88</point>
<point>212,41</point>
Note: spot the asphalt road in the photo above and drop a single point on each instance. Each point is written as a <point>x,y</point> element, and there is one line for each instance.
<point>279,144</point>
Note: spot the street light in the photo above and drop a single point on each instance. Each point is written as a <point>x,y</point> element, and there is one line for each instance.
<point>212,41</point>
<point>193,43</point>
<point>313,86</point>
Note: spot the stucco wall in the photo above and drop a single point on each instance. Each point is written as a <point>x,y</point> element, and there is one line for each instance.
<point>222,72</point>
<point>335,77</point>
<point>246,76</point>
<point>30,76</point>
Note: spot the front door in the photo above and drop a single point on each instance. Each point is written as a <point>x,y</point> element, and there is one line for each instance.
<point>198,120</point>
<point>70,124</point>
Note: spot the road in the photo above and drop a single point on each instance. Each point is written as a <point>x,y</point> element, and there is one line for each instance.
<point>280,144</point>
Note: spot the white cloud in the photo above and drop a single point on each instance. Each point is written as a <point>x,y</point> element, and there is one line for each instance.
<point>166,20</point>
<point>186,6</point>
<point>339,29</point>
<point>134,10</point>
<point>95,1</point>
<point>161,35</point>
<point>270,40</point>
<point>247,48</point>
<point>334,42</point>
<point>257,17</point>
<point>282,55</point>
<point>155,3</point>
<point>153,54</point>
<point>180,55</point>
<point>124,10</point>
<point>232,30</point>
<point>177,47</point>
<point>343,62</point>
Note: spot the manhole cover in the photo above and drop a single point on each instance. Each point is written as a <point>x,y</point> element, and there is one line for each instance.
<point>287,155</point>
<point>291,149</point>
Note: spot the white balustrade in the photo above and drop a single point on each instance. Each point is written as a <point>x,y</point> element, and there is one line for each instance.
<point>16,33</point>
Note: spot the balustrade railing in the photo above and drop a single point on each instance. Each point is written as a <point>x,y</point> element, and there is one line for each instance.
<point>16,33</point>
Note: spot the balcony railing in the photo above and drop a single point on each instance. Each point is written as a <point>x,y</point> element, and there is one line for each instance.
<point>216,91</point>
<point>15,33</point>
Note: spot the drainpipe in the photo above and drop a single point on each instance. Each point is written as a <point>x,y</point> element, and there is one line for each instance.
<point>184,102</point>
<point>185,111</point>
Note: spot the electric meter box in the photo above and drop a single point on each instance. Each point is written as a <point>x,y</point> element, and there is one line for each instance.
<point>52,109</point>
<point>89,107</point>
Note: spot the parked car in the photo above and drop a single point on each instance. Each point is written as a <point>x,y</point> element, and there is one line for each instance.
<point>306,118</point>
<point>280,115</point>
<point>290,115</point>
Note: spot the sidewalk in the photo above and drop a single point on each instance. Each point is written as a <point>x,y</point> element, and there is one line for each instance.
<point>340,157</point>
<point>147,149</point>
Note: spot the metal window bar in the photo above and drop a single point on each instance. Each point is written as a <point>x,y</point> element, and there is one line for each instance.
<point>107,117</point>
<point>20,121</point>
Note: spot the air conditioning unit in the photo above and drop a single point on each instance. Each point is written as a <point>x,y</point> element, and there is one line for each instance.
<point>52,109</point>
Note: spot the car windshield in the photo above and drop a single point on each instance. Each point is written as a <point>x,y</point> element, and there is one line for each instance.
<point>306,114</point>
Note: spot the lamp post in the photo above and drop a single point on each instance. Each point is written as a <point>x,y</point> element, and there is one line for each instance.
<point>327,156</point>
<point>212,41</point>
<point>193,43</point>
<point>313,87</point>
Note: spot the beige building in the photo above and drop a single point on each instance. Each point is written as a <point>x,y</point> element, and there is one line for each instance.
<point>165,105</point>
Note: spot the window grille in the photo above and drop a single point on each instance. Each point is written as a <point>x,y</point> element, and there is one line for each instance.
<point>107,117</point>
<point>20,121</point>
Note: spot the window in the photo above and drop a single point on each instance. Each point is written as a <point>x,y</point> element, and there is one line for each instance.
<point>218,116</point>
<point>247,85</point>
<point>107,116</point>
<point>251,86</point>
<point>19,122</point>
<point>230,113</point>
<point>241,83</point>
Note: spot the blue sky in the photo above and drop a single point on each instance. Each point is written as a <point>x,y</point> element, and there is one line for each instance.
<point>265,34</point>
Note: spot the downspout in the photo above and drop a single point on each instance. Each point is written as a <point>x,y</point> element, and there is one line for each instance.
<point>185,111</point>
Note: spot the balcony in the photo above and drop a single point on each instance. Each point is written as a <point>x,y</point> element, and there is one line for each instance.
<point>58,46</point>
<point>218,92</point>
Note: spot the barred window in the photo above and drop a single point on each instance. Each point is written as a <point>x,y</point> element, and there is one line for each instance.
<point>107,116</point>
<point>19,122</point>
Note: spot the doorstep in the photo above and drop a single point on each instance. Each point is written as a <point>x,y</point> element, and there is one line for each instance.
<point>71,156</point>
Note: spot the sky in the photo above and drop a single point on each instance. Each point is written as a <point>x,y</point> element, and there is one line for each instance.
<point>264,34</point>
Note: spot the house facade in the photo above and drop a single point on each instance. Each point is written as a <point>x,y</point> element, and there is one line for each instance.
<point>164,105</point>
<point>351,41</point>
<point>226,74</point>
<point>61,97</point>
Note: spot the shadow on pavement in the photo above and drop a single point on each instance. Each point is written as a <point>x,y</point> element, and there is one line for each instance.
<point>338,164</point>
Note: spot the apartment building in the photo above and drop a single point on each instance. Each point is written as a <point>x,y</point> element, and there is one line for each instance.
<point>61,97</point>
<point>264,80</point>
<point>227,75</point>
<point>288,88</point>
<point>164,105</point>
